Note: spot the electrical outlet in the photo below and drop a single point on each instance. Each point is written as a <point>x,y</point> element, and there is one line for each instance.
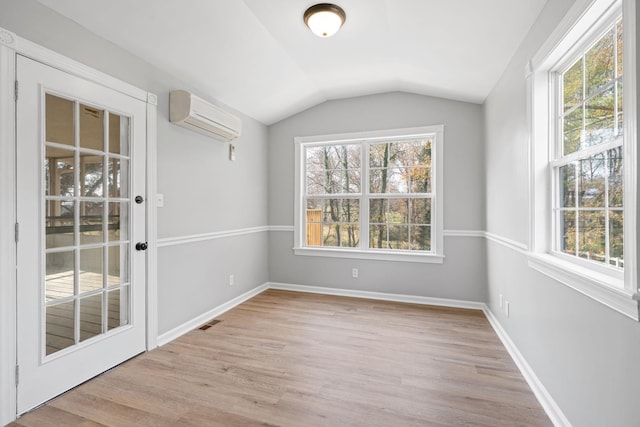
<point>506,308</point>
<point>501,301</point>
<point>354,273</point>
<point>231,280</point>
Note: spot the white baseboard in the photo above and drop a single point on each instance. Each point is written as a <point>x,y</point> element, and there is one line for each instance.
<point>548,404</point>
<point>442,302</point>
<point>203,318</point>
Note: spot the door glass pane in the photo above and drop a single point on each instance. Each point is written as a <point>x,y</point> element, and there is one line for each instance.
<point>59,277</point>
<point>118,221</point>
<point>91,168</point>
<point>59,222</point>
<point>91,222</point>
<point>118,265</point>
<point>90,316</point>
<point>91,128</point>
<point>90,274</point>
<point>59,120</point>
<point>118,178</point>
<point>118,134</point>
<point>58,172</point>
<point>118,312</point>
<point>60,332</point>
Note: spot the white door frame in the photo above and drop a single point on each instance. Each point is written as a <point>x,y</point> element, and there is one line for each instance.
<point>10,45</point>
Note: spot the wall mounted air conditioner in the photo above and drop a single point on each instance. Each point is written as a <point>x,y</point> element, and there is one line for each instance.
<point>192,112</point>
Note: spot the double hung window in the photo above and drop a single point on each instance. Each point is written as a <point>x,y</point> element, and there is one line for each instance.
<point>583,154</point>
<point>370,195</point>
<point>588,163</point>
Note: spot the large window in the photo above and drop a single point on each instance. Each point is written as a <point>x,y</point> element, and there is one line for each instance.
<point>370,195</point>
<point>583,154</point>
<point>588,165</point>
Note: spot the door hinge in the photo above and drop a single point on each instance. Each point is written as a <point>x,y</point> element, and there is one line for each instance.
<point>17,231</point>
<point>17,374</point>
<point>16,89</point>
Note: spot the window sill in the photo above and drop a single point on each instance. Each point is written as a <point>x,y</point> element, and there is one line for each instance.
<point>428,258</point>
<point>600,287</point>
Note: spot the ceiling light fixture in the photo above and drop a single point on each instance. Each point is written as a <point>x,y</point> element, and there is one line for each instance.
<point>324,19</point>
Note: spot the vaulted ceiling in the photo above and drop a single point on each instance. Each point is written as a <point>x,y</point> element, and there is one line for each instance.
<point>258,57</point>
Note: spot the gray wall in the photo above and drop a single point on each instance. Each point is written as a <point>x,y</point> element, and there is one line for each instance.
<point>462,276</point>
<point>204,191</point>
<point>586,355</point>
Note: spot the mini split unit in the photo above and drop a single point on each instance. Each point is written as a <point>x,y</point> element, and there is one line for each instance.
<point>192,112</point>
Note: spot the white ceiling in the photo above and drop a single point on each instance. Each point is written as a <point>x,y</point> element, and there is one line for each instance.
<point>258,57</point>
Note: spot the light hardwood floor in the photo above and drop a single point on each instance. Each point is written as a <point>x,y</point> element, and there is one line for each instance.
<point>296,359</point>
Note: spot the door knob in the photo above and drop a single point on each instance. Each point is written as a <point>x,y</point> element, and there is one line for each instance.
<point>139,199</point>
<point>141,246</point>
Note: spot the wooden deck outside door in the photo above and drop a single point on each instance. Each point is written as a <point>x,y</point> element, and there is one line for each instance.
<point>81,152</point>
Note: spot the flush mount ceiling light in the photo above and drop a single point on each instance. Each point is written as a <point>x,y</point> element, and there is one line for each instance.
<point>324,19</point>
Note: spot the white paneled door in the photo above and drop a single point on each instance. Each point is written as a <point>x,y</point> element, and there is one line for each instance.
<point>81,238</point>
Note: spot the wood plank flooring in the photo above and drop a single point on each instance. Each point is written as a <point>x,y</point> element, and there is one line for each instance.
<point>296,359</point>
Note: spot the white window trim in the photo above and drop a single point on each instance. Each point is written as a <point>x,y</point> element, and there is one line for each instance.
<point>614,291</point>
<point>435,256</point>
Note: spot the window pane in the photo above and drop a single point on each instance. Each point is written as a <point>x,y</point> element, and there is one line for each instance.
<point>592,181</point>
<point>568,232</point>
<point>591,236</point>
<point>333,222</point>
<point>572,85</point>
<point>616,239</point>
<point>600,118</point>
<point>420,238</point>
<point>567,177</point>
<point>397,181</point>
<point>420,179</point>
<point>398,237</point>
<point>378,236</point>
<point>572,131</point>
<point>333,169</point>
<point>599,64</point>
<point>398,211</point>
<point>421,211</point>
<point>615,177</point>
